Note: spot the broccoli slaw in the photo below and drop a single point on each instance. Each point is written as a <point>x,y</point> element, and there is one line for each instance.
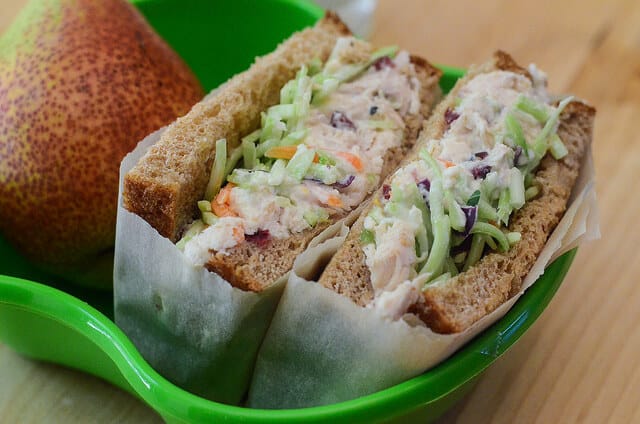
<point>317,154</point>
<point>441,212</point>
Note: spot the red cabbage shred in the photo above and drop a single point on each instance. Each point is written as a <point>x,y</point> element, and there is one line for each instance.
<point>386,191</point>
<point>340,121</point>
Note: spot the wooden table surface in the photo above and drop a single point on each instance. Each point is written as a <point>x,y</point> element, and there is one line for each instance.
<point>579,362</point>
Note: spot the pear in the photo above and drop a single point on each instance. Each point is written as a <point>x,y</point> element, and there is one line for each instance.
<point>81,82</point>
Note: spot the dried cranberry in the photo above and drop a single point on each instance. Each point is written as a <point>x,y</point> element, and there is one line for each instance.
<point>426,184</point>
<point>481,155</point>
<point>450,115</point>
<point>340,121</point>
<point>480,172</point>
<point>383,62</point>
<point>261,237</point>
<point>386,191</point>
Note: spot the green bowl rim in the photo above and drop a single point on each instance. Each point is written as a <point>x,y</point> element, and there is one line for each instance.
<point>170,400</point>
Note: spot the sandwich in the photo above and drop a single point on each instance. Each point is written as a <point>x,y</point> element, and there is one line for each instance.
<point>214,209</point>
<point>451,235</point>
<point>258,169</point>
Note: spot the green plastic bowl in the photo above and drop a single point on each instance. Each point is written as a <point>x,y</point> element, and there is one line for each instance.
<point>74,326</point>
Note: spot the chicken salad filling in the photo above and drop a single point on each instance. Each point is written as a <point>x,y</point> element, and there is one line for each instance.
<point>317,154</point>
<point>440,213</point>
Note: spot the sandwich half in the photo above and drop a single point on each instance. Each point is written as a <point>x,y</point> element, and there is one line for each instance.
<point>259,168</point>
<point>451,234</point>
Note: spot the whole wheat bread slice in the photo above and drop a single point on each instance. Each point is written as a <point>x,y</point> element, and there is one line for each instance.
<point>255,266</point>
<point>165,185</point>
<point>457,303</point>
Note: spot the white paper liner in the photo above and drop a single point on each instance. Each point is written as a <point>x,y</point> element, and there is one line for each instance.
<point>321,348</point>
<point>192,326</point>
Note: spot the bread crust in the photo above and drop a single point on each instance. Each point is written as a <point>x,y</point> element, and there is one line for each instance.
<point>254,267</point>
<point>457,303</point>
<point>165,185</point>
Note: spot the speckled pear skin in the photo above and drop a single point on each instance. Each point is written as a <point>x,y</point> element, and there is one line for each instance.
<point>81,82</point>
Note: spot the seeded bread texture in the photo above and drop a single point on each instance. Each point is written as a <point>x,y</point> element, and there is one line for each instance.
<point>165,185</point>
<point>254,267</point>
<point>457,303</point>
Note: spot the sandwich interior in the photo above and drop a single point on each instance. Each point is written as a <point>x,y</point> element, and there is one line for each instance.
<point>451,234</point>
<point>340,127</point>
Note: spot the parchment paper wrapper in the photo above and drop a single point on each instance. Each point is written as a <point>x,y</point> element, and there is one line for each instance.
<point>192,326</point>
<point>321,348</point>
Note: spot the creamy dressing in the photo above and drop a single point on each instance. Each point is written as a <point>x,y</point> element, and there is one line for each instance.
<point>473,142</point>
<point>393,255</point>
<point>223,235</point>
<point>372,108</point>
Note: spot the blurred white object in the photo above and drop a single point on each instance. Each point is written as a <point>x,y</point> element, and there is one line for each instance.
<point>357,14</point>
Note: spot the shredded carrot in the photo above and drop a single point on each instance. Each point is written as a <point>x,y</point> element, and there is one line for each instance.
<point>220,205</point>
<point>281,152</point>
<point>285,152</point>
<point>334,201</point>
<point>352,159</point>
<point>225,193</point>
<point>222,210</point>
<point>238,234</point>
<point>447,163</point>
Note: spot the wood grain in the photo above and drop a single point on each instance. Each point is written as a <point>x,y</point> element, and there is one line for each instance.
<point>579,362</point>
<point>34,392</point>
